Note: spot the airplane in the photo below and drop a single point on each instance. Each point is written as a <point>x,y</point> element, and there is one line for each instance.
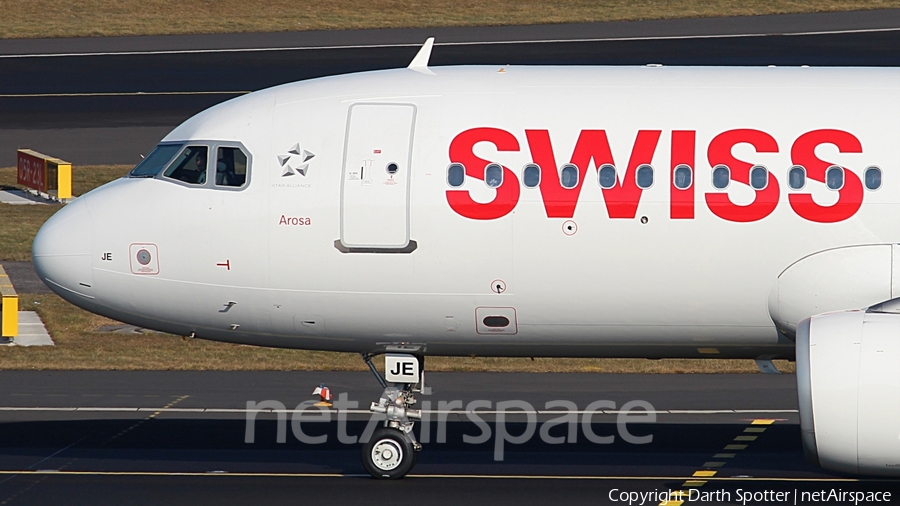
<point>526,211</point>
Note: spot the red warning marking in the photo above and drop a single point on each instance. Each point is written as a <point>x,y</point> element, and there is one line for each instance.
<point>227,264</point>
<point>377,151</point>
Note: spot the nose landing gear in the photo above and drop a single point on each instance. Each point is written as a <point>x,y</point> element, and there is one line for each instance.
<point>392,450</point>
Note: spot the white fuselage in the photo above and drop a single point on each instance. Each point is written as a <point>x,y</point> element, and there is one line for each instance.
<point>310,253</point>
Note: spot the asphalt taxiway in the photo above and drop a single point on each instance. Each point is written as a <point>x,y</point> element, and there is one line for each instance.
<point>182,437</point>
<point>109,100</point>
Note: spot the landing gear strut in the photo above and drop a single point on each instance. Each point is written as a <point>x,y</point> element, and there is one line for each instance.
<point>392,450</point>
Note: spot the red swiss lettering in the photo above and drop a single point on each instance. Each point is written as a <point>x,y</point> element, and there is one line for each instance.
<point>507,194</point>
<point>850,197</point>
<point>719,152</point>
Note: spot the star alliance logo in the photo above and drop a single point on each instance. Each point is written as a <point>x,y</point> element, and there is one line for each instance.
<point>296,161</point>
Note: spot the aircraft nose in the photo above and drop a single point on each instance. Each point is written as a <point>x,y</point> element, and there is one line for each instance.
<point>62,251</point>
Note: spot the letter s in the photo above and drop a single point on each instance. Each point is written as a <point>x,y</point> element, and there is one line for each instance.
<point>850,196</point>
<point>719,152</point>
<point>462,151</point>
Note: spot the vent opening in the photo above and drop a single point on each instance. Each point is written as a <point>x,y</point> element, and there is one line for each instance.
<point>496,321</point>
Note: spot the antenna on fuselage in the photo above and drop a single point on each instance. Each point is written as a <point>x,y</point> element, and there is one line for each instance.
<point>420,62</point>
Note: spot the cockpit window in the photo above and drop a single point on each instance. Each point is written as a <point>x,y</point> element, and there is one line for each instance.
<point>155,161</point>
<point>231,167</point>
<point>190,165</point>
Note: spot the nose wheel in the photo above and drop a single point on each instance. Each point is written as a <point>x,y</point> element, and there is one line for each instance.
<point>389,454</point>
<point>392,450</point>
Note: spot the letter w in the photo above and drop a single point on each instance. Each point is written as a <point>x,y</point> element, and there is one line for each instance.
<point>592,145</point>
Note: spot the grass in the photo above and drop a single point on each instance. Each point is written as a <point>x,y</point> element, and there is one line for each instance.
<point>80,346</point>
<point>62,18</point>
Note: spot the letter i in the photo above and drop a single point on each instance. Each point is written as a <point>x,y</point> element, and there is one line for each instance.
<point>681,204</point>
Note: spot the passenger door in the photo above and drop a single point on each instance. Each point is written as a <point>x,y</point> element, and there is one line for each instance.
<point>375,178</point>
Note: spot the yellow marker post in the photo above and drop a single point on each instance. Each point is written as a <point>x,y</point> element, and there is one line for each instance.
<point>10,316</point>
<point>63,178</point>
<point>10,306</point>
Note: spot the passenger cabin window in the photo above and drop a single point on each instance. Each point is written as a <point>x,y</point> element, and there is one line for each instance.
<point>156,160</point>
<point>231,167</point>
<point>644,177</point>
<point>189,166</point>
<point>721,176</point>
<point>683,177</point>
<point>568,176</point>
<point>531,175</point>
<point>873,178</point>
<point>456,175</point>
<point>797,177</point>
<point>834,177</point>
<point>493,175</point>
<point>607,176</point>
<point>759,177</point>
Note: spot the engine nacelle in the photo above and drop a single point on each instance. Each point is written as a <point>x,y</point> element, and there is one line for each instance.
<point>848,379</point>
<point>832,280</point>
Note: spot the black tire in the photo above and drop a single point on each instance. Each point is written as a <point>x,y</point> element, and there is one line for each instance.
<point>388,455</point>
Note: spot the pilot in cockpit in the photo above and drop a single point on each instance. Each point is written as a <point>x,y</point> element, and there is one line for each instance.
<point>190,166</point>
<point>200,162</point>
<point>225,175</point>
<point>231,167</point>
